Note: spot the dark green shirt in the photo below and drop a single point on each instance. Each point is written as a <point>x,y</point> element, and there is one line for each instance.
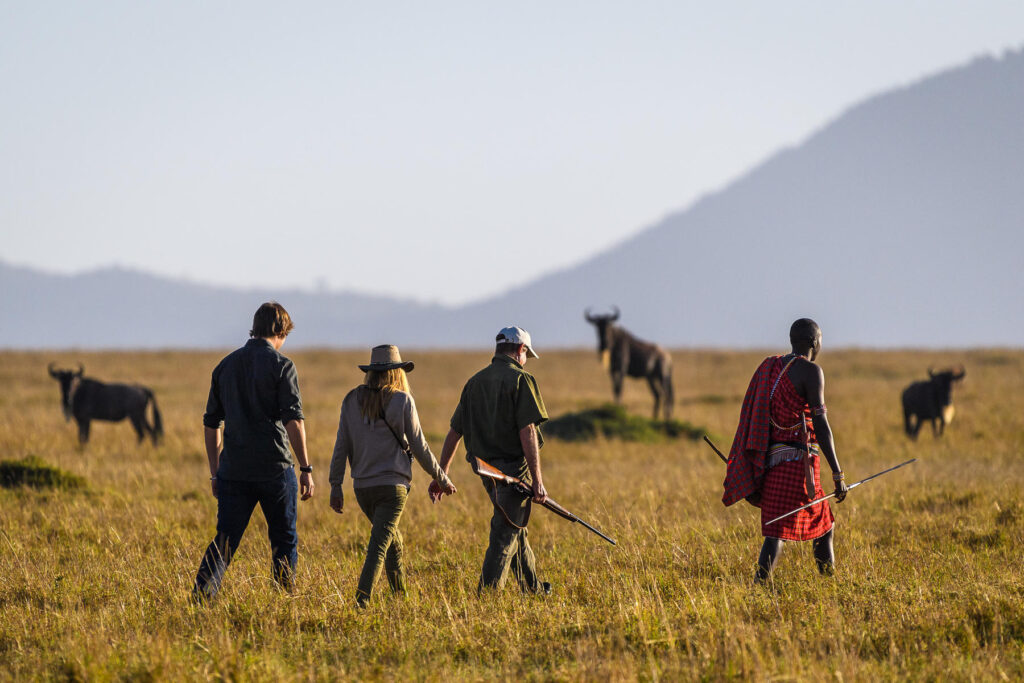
<point>495,404</point>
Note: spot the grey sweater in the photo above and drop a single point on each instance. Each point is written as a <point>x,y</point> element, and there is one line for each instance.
<point>373,450</point>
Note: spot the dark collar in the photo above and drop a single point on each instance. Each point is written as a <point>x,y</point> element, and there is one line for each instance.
<point>256,341</point>
<point>506,360</point>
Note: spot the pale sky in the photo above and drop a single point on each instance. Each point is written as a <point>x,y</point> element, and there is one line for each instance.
<point>441,151</point>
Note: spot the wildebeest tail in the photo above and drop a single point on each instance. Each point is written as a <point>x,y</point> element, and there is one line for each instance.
<point>158,423</point>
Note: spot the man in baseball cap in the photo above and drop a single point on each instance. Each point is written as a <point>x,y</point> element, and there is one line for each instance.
<point>499,415</point>
<point>516,335</point>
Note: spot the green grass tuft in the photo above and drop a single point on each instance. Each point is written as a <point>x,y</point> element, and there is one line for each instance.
<point>37,473</point>
<point>613,422</point>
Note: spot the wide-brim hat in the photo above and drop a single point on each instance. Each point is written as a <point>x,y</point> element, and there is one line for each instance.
<point>386,357</point>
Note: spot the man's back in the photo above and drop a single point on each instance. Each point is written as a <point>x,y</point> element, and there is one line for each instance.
<point>254,391</point>
<point>495,404</point>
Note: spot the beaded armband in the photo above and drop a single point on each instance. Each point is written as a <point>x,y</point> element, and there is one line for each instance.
<point>819,411</point>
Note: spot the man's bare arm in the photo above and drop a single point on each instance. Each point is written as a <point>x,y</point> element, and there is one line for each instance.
<point>531,449</point>
<point>297,437</point>
<point>214,445</point>
<point>451,443</point>
<point>815,394</point>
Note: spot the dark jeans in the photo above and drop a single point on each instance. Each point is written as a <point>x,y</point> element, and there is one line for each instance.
<point>383,506</point>
<point>235,503</point>
<point>509,544</point>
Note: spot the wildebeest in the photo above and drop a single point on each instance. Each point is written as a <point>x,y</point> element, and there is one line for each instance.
<point>623,354</point>
<point>930,400</point>
<point>88,399</point>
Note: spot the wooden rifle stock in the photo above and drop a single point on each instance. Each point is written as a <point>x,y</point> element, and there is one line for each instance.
<point>485,470</point>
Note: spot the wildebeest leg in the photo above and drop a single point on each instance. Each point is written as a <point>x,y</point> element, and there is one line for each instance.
<point>670,396</point>
<point>83,431</point>
<point>655,384</point>
<point>139,423</point>
<point>617,386</point>
<point>938,426</point>
<point>913,426</point>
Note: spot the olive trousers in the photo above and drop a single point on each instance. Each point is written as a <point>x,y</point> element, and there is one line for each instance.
<point>509,543</point>
<point>383,506</point>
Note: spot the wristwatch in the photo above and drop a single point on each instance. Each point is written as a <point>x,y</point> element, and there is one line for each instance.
<point>308,469</point>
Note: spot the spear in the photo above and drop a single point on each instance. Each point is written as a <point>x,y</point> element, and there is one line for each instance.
<point>848,488</point>
<point>715,449</point>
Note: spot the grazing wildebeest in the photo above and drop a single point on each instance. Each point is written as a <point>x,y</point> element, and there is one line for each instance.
<point>930,400</point>
<point>88,399</point>
<point>623,354</point>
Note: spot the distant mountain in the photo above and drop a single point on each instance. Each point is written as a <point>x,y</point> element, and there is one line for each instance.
<point>117,308</point>
<point>901,223</point>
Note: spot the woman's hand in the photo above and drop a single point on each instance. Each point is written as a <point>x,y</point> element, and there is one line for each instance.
<point>435,490</point>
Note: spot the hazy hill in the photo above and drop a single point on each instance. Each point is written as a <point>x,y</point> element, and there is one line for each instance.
<point>117,308</point>
<point>899,223</point>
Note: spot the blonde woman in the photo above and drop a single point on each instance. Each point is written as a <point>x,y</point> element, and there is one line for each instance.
<point>379,435</point>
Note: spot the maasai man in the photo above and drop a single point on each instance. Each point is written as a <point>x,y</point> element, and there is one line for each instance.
<point>775,458</point>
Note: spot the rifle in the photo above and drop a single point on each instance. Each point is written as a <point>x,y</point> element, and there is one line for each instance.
<point>485,470</point>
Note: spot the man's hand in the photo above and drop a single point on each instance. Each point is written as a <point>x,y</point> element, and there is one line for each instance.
<point>840,491</point>
<point>306,485</point>
<point>213,486</point>
<point>436,491</point>
<point>540,494</point>
<point>338,503</point>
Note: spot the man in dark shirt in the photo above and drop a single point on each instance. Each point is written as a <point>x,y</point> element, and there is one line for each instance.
<point>254,393</point>
<point>499,414</point>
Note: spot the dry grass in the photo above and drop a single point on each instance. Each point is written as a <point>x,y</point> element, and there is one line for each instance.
<point>93,583</point>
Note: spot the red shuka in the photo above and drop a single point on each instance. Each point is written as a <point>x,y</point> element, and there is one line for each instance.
<point>782,487</point>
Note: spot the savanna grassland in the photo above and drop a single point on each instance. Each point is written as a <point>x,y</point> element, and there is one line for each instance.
<point>94,582</point>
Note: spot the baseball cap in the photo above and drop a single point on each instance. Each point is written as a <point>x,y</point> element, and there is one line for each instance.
<point>517,335</point>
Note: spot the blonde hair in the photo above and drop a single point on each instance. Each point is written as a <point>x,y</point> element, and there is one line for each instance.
<point>378,388</point>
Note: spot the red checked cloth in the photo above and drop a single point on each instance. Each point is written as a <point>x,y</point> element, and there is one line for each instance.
<point>744,473</point>
<point>784,487</point>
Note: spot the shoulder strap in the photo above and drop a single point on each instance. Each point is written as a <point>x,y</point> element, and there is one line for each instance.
<point>779,378</point>
<point>401,442</point>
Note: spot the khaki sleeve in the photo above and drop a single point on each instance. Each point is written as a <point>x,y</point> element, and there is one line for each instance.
<point>458,417</point>
<point>530,408</point>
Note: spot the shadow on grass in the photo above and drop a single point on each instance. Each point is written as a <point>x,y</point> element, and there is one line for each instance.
<point>613,422</point>
<point>36,473</point>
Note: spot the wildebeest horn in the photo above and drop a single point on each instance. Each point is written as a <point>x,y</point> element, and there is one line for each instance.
<point>960,375</point>
<point>931,373</point>
<point>81,370</point>
<point>615,316</point>
<point>50,368</point>
<point>586,315</point>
